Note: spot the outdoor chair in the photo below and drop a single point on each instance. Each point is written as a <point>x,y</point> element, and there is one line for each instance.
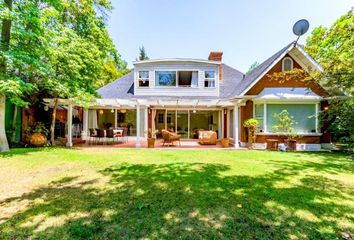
<point>110,134</point>
<point>207,137</point>
<point>100,134</point>
<point>170,137</point>
<point>92,135</point>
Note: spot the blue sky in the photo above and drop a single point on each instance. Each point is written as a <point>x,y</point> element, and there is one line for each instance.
<point>246,31</point>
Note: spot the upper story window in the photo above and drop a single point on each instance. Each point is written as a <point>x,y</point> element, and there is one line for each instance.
<point>165,78</point>
<point>176,78</point>
<point>143,78</point>
<point>210,77</point>
<point>287,64</point>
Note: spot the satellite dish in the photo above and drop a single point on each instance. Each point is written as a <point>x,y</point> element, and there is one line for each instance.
<point>300,28</point>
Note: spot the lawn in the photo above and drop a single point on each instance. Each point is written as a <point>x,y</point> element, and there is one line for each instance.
<point>106,193</point>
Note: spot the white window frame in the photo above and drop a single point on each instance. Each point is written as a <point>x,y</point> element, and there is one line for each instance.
<point>210,79</point>
<point>166,70</point>
<point>283,64</point>
<point>265,113</point>
<point>143,79</point>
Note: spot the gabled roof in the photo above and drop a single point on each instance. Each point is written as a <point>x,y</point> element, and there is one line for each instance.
<point>124,87</point>
<point>295,50</point>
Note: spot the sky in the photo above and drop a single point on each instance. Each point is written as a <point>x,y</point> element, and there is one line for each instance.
<point>246,31</point>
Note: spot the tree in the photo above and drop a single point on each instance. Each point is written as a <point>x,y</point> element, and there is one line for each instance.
<point>333,48</point>
<point>143,55</point>
<point>58,49</point>
<point>253,66</point>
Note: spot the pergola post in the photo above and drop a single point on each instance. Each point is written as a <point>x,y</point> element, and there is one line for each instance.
<point>85,124</point>
<point>69,121</point>
<point>137,145</point>
<point>115,118</point>
<point>236,126</point>
<point>146,122</point>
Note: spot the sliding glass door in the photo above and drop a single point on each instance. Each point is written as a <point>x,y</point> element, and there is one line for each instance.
<point>187,123</point>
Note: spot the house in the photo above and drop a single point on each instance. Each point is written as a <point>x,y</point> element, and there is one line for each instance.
<point>186,95</point>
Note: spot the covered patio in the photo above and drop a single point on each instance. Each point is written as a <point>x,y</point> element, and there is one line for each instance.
<point>182,116</point>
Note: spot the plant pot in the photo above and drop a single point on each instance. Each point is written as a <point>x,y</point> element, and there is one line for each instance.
<point>151,142</point>
<point>38,140</point>
<point>291,143</point>
<point>225,142</point>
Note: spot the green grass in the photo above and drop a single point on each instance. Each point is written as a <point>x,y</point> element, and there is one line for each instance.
<point>58,193</point>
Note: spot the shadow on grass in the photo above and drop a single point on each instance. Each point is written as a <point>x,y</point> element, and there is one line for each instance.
<point>184,200</point>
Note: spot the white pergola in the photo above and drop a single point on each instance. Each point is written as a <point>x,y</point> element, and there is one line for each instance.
<point>143,105</point>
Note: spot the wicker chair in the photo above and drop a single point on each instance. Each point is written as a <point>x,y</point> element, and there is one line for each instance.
<point>170,137</point>
<point>110,134</point>
<point>92,136</point>
<point>207,137</point>
<point>100,134</point>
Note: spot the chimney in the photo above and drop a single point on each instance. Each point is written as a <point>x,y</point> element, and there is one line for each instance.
<point>217,56</point>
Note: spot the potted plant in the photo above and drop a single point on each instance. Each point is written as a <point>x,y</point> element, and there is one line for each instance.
<point>251,124</point>
<point>37,135</point>
<point>151,137</point>
<point>285,125</point>
<point>225,142</point>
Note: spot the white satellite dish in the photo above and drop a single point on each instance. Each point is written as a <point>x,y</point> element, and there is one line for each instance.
<point>300,28</point>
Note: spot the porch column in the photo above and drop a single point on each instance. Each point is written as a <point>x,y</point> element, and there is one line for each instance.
<point>146,122</point>
<point>115,118</point>
<point>137,145</point>
<point>69,121</point>
<point>85,124</point>
<point>236,126</point>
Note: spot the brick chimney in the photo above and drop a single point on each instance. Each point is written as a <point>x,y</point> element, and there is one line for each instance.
<point>217,56</point>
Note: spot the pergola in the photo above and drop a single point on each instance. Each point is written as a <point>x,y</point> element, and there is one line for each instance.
<point>143,105</point>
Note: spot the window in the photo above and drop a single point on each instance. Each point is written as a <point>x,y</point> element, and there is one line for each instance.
<point>165,78</point>
<point>143,78</point>
<point>259,115</point>
<point>209,81</point>
<point>187,78</point>
<point>160,118</point>
<point>287,64</point>
<point>304,116</point>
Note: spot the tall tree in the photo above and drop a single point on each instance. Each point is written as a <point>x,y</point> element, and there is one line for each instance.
<point>142,54</point>
<point>333,48</point>
<point>4,46</point>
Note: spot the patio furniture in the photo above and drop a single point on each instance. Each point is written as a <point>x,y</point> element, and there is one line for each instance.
<point>110,134</point>
<point>92,135</point>
<point>207,137</point>
<point>170,137</point>
<point>272,144</point>
<point>100,134</point>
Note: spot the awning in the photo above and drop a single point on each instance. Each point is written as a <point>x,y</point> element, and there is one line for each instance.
<point>287,94</point>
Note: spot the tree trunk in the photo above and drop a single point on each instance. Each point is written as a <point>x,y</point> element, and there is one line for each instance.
<point>14,120</point>
<point>52,126</point>
<point>4,46</point>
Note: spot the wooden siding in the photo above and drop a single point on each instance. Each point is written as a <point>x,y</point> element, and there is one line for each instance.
<point>265,82</point>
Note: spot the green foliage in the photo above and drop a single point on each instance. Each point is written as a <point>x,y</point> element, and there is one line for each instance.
<point>284,123</point>
<point>333,48</point>
<point>252,67</point>
<point>59,49</point>
<point>251,122</point>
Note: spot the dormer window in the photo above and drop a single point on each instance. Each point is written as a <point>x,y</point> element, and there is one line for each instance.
<point>287,64</point>
<point>209,79</point>
<point>143,79</point>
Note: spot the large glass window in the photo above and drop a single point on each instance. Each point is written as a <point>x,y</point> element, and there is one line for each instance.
<point>304,116</point>
<point>165,78</point>
<point>209,80</point>
<point>259,115</point>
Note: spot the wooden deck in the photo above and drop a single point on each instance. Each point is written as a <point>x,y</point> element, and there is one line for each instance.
<point>131,143</point>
